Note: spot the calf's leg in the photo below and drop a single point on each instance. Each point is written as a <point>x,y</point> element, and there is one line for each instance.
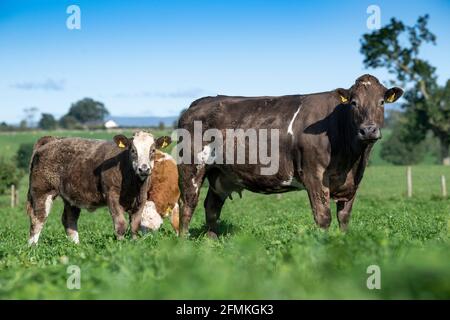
<point>175,218</point>
<point>344,210</point>
<point>70,221</point>
<point>39,206</point>
<point>135,222</point>
<point>117,214</point>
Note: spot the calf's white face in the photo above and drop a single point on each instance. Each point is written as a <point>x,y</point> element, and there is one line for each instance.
<point>141,148</point>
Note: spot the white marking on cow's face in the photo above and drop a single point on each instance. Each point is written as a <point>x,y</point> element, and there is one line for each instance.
<point>289,131</point>
<point>48,205</point>
<point>366,83</point>
<point>141,149</point>
<point>151,219</point>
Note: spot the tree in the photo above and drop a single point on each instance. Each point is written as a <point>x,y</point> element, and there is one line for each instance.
<point>23,125</point>
<point>30,116</point>
<point>427,108</point>
<point>23,155</point>
<point>88,110</point>
<point>161,126</point>
<point>9,175</point>
<point>69,122</point>
<point>4,127</point>
<point>47,122</point>
<point>399,150</point>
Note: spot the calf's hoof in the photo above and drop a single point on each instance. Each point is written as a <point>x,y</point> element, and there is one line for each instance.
<point>212,235</point>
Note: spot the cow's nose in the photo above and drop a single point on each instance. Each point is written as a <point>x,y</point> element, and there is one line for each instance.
<point>369,132</point>
<point>144,169</point>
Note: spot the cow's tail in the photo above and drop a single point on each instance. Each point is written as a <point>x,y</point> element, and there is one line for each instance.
<point>41,142</point>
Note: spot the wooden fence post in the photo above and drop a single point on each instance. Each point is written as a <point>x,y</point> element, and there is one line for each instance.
<point>409,181</point>
<point>443,186</point>
<point>13,196</point>
<point>16,198</point>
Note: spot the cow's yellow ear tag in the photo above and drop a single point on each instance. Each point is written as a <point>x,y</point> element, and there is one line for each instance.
<point>165,144</point>
<point>121,145</point>
<point>343,99</point>
<point>391,98</point>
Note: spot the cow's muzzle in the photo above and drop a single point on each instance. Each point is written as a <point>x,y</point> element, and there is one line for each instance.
<point>143,172</point>
<point>369,133</point>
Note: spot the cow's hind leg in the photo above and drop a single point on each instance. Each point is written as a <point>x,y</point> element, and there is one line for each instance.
<point>213,207</point>
<point>70,221</point>
<point>38,207</point>
<point>191,180</point>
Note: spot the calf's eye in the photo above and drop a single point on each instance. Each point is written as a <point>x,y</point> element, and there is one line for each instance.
<point>354,103</point>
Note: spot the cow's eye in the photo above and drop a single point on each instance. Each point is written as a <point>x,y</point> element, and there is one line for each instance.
<point>354,103</point>
<point>382,103</point>
<point>133,151</point>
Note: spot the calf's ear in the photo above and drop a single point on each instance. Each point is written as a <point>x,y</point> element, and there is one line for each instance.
<point>393,94</point>
<point>344,95</point>
<point>122,141</point>
<point>163,142</point>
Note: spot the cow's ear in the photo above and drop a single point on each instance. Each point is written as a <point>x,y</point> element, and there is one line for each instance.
<point>393,94</point>
<point>122,141</point>
<point>344,95</point>
<point>163,142</point>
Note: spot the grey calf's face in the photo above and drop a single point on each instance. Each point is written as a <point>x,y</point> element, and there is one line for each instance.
<point>367,98</point>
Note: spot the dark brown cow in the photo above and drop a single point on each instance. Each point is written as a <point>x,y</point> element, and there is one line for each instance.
<point>91,174</point>
<point>324,143</point>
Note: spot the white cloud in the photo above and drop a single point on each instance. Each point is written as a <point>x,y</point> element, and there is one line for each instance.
<point>47,85</point>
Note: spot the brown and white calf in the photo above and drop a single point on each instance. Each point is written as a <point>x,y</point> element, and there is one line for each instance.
<point>88,174</point>
<point>163,194</point>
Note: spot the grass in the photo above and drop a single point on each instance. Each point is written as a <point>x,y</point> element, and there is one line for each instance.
<point>269,249</point>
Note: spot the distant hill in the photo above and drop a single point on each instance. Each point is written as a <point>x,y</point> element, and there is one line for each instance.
<point>142,121</point>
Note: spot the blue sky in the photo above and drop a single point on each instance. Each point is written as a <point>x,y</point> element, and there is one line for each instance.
<point>152,58</point>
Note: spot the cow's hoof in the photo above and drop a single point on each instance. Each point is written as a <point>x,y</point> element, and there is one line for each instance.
<point>212,235</point>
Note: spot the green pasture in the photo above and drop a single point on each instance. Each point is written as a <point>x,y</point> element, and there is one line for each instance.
<point>269,247</point>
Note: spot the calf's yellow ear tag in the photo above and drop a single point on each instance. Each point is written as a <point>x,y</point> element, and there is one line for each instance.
<point>343,99</point>
<point>391,98</point>
<point>165,144</point>
<point>121,145</point>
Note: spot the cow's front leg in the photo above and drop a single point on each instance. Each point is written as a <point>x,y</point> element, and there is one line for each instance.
<point>319,198</point>
<point>117,214</point>
<point>344,210</point>
<point>191,180</point>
